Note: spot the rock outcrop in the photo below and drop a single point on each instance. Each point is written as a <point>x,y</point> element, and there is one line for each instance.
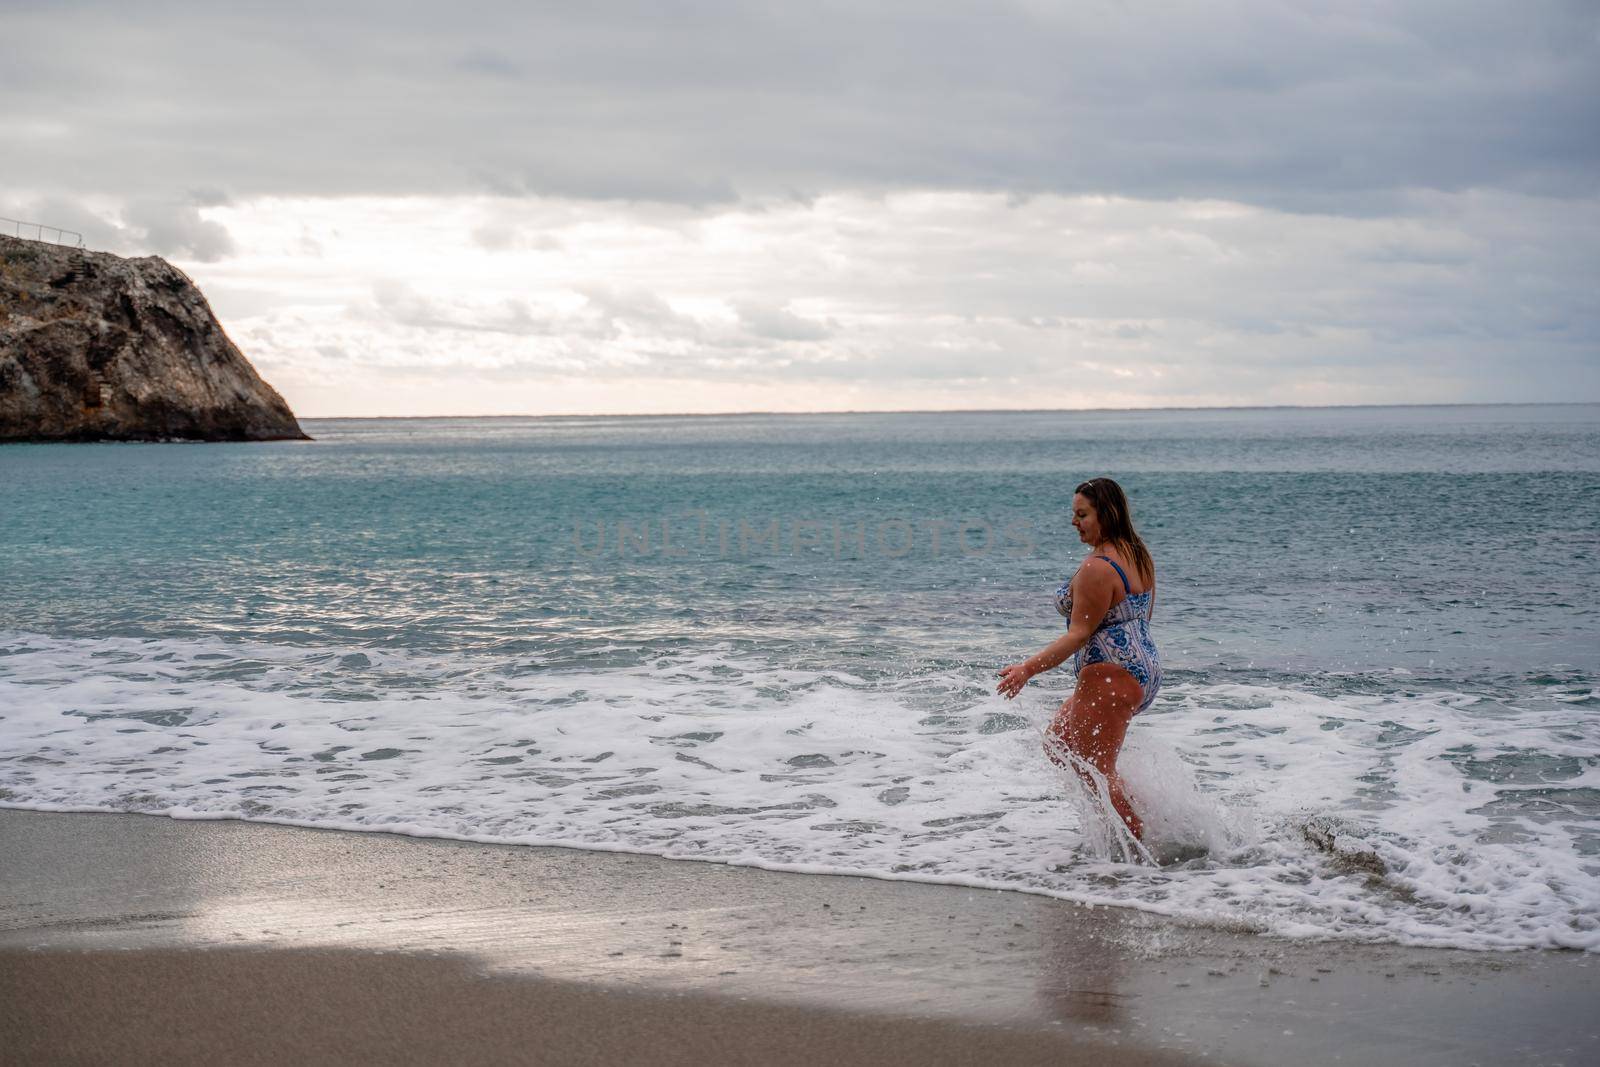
<point>95,347</point>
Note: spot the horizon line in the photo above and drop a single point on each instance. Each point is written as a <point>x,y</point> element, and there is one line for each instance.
<point>984,411</point>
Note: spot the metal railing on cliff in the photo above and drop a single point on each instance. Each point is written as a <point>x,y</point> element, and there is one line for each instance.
<point>18,228</point>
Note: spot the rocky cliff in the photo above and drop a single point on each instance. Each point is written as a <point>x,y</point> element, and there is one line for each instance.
<point>94,347</point>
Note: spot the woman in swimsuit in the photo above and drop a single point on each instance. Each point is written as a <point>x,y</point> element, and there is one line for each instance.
<point>1108,603</point>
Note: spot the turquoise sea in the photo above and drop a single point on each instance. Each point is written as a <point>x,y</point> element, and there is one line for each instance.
<point>772,640</point>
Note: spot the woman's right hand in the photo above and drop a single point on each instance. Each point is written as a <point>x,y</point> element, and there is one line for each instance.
<point>1013,678</point>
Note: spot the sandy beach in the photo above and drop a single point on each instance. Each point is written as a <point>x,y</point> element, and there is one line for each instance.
<point>144,939</point>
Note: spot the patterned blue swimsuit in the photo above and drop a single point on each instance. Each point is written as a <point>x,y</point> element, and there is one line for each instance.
<point>1123,638</point>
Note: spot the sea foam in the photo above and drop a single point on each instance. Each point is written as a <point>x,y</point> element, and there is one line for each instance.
<point>1422,819</point>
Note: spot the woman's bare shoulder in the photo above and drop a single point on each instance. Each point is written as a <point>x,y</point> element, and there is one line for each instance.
<point>1130,568</point>
<point>1098,570</point>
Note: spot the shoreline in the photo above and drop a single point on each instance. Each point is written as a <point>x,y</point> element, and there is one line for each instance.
<point>713,956</point>
<point>1200,923</point>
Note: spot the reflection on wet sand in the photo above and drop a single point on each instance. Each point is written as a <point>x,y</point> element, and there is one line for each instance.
<point>1083,969</point>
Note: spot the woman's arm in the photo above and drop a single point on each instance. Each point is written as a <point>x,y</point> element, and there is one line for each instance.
<point>1091,599</point>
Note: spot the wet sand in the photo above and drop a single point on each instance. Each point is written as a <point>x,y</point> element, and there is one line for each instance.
<point>249,1006</point>
<point>142,939</point>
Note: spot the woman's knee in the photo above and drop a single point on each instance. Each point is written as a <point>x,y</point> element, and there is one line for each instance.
<point>1071,735</point>
<point>1058,741</point>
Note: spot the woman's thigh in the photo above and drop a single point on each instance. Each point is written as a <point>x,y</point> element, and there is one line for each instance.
<point>1095,719</point>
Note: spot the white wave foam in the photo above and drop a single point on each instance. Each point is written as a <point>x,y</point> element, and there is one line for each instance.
<point>716,756</point>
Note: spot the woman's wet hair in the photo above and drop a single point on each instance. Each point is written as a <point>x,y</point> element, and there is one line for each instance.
<point>1110,505</point>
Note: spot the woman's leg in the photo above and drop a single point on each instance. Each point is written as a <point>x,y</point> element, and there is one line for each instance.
<point>1092,724</point>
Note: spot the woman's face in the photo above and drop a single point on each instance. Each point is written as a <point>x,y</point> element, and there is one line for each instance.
<point>1085,520</point>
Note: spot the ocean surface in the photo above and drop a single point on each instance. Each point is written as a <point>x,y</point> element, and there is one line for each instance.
<point>773,640</point>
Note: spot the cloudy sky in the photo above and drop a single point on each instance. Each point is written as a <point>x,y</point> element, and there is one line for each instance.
<point>501,208</point>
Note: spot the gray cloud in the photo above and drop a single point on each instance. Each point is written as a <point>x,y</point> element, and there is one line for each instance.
<point>493,237</point>
<point>175,228</point>
<point>616,309</point>
<point>398,303</point>
<point>146,226</point>
<point>1337,108</point>
<point>779,323</point>
<point>64,213</point>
